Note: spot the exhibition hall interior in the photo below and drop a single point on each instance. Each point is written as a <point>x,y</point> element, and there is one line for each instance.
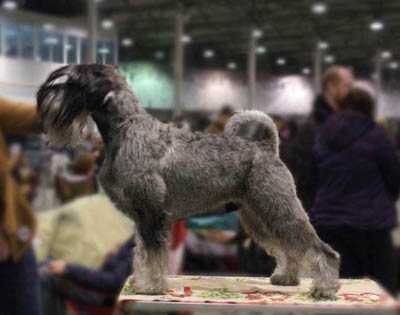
<point>199,157</point>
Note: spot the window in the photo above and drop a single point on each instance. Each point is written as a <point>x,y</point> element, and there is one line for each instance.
<point>11,40</point>
<point>50,46</point>
<point>84,50</point>
<point>105,52</point>
<point>72,49</point>
<point>26,38</point>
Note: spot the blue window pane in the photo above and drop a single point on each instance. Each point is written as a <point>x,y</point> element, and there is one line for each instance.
<point>105,52</point>
<point>11,40</point>
<point>72,46</point>
<point>50,46</point>
<point>84,50</point>
<point>26,37</point>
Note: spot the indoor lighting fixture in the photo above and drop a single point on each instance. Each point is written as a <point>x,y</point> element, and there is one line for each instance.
<point>107,24</point>
<point>104,51</point>
<point>386,54</point>
<point>281,61</point>
<point>319,8</point>
<point>394,65</point>
<point>376,26</point>
<point>261,50</point>
<point>51,41</point>
<point>127,42</point>
<point>232,65</point>
<point>329,59</point>
<point>208,53</point>
<point>323,45</point>
<point>9,5</point>
<point>257,33</point>
<point>186,39</point>
<point>49,27</point>
<point>159,55</point>
<point>306,71</point>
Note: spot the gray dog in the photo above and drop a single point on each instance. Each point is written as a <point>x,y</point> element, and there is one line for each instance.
<point>157,174</point>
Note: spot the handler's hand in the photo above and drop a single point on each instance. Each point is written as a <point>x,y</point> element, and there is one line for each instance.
<point>57,267</point>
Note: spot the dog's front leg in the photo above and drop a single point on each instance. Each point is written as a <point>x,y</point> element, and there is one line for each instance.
<point>150,259</point>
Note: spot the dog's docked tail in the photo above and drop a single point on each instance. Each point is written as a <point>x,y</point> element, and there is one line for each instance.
<point>256,126</point>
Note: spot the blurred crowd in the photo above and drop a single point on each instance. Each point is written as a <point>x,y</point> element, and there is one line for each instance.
<point>344,163</point>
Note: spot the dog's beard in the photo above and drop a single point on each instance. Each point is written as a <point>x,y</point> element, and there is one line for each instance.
<point>60,134</point>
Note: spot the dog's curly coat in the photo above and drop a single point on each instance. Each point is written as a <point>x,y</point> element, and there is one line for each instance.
<point>157,174</point>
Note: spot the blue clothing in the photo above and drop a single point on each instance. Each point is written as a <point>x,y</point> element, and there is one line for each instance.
<point>19,286</point>
<point>358,174</point>
<point>110,277</point>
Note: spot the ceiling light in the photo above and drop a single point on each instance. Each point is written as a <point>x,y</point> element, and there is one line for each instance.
<point>68,47</point>
<point>306,71</point>
<point>257,33</point>
<point>159,55</point>
<point>51,41</point>
<point>329,59</point>
<point>186,39</point>
<point>394,65</point>
<point>376,26</point>
<point>208,53</point>
<point>281,61</point>
<point>232,66</point>
<point>107,24</point>
<point>49,27</point>
<point>127,42</point>
<point>9,5</point>
<point>386,54</point>
<point>260,50</point>
<point>104,51</point>
<point>323,45</point>
<point>319,8</point>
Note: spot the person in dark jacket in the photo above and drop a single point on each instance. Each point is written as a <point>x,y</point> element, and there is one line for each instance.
<point>298,153</point>
<point>84,286</point>
<point>358,184</point>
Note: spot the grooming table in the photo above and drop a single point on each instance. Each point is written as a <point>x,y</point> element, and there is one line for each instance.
<point>244,295</point>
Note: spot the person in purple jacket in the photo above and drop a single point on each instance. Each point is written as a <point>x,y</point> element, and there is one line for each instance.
<point>358,184</point>
<point>84,286</point>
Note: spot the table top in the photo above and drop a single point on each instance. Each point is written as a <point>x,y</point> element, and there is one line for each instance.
<point>214,295</point>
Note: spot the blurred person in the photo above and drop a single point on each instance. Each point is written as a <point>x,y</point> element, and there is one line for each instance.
<point>19,282</point>
<point>78,178</point>
<point>358,184</point>
<point>66,285</point>
<point>298,153</point>
<point>217,126</point>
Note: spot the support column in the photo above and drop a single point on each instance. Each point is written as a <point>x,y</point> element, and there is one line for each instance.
<point>178,63</point>
<point>378,78</point>
<point>317,69</point>
<point>252,71</point>
<point>92,31</point>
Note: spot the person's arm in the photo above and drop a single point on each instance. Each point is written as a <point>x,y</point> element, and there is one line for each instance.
<point>18,117</point>
<point>110,280</point>
<point>388,163</point>
<point>105,281</point>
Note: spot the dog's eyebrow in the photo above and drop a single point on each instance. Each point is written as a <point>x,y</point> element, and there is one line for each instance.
<point>60,80</point>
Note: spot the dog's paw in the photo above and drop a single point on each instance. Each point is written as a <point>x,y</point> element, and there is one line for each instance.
<point>284,280</point>
<point>324,293</point>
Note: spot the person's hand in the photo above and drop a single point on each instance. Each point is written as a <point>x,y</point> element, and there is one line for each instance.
<point>57,267</point>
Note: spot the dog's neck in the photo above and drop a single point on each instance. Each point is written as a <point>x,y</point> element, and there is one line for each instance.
<point>119,108</point>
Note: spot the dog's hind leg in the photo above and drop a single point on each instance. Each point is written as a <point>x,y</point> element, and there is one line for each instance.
<point>272,198</point>
<point>287,267</point>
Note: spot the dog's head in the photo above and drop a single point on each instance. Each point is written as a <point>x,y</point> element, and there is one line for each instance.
<point>70,94</point>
